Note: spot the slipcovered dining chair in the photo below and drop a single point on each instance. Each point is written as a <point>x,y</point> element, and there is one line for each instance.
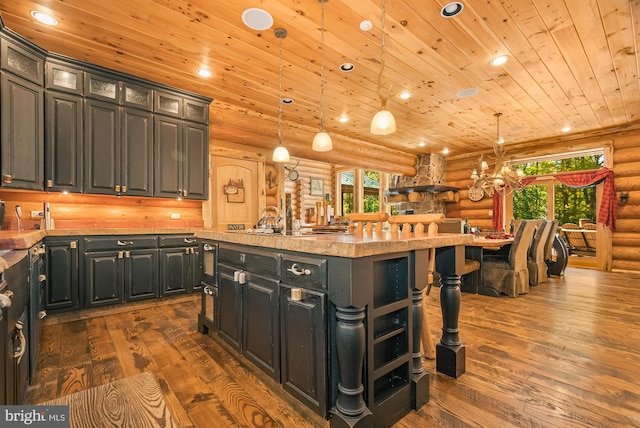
<point>511,276</point>
<point>536,263</point>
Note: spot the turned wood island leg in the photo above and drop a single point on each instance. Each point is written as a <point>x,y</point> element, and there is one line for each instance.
<point>450,352</point>
<point>351,409</point>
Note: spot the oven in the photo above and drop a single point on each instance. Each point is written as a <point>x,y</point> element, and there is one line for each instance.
<point>207,319</point>
<point>37,284</point>
<point>15,326</point>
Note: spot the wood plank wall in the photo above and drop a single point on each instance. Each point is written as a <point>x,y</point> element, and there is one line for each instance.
<point>626,166</point>
<point>73,211</point>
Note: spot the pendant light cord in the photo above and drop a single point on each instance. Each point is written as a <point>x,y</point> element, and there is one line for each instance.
<point>280,97</point>
<point>383,100</point>
<point>322,68</point>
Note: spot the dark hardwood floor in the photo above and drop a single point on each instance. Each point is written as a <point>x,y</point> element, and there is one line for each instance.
<point>565,355</point>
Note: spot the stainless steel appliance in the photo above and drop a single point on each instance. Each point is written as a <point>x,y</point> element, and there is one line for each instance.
<point>37,284</point>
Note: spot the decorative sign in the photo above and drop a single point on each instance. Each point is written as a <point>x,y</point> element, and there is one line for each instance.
<point>232,226</point>
<point>234,191</point>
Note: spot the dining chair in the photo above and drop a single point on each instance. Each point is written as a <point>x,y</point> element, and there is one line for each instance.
<point>511,275</point>
<point>550,238</point>
<point>536,262</point>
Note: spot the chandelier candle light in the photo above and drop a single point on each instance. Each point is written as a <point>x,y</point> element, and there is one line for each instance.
<point>383,122</point>
<point>322,140</point>
<point>503,176</point>
<point>280,154</point>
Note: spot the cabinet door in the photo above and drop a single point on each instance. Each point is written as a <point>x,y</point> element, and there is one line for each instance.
<point>141,274</point>
<point>261,323</point>
<point>303,346</point>
<point>136,157</point>
<point>22,139</point>
<point>174,270</point>
<point>63,157</point>
<point>101,147</point>
<point>62,77</point>
<point>168,153</point>
<point>195,280</point>
<point>104,278</point>
<point>230,304</point>
<point>62,292</point>
<point>196,155</point>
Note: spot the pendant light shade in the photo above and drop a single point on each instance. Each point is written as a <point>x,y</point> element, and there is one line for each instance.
<point>383,123</point>
<point>280,154</point>
<point>322,140</point>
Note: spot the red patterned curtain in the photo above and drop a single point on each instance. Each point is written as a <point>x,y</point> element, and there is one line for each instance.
<point>608,204</point>
<point>498,204</point>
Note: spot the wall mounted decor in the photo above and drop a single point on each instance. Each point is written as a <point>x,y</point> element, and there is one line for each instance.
<point>317,187</point>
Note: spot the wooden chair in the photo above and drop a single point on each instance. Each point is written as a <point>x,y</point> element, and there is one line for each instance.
<point>589,232</point>
<point>536,263</point>
<point>416,223</point>
<point>511,276</point>
<point>367,222</point>
<point>549,245</point>
<point>575,239</point>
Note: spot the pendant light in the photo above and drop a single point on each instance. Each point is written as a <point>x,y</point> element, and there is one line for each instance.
<point>322,140</point>
<point>383,123</point>
<point>280,154</point>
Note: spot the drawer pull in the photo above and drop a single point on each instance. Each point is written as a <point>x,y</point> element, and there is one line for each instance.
<point>189,241</point>
<point>297,270</point>
<point>208,247</point>
<point>123,243</point>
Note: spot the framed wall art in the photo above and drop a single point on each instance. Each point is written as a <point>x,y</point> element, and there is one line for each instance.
<point>317,187</point>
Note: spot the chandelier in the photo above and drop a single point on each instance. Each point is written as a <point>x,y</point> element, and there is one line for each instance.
<point>503,177</point>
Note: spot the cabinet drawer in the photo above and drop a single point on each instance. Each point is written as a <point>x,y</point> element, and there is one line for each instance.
<point>116,242</point>
<point>177,241</point>
<point>252,260</point>
<point>306,272</point>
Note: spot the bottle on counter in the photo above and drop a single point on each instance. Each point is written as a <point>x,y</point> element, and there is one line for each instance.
<point>289,218</point>
<point>466,228</point>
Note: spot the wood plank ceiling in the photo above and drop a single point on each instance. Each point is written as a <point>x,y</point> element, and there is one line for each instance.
<point>570,63</point>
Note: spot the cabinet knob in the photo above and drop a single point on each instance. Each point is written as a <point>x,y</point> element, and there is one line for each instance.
<point>117,188</point>
<point>42,314</point>
<point>6,178</point>
<point>124,189</point>
<point>42,278</point>
<point>73,245</point>
<point>49,183</point>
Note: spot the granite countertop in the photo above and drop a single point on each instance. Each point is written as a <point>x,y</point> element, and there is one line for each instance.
<point>339,244</point>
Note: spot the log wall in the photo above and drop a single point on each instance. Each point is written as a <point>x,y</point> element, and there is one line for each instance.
<point>300,189</point>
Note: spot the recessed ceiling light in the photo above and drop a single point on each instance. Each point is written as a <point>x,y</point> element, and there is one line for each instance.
<point>287,101</point>
<point>452,9</point>
<point>344,118</point>
<point>422,144</point>
<point>566,128</point>
<point>44,18</point>
<point>469,92</point>
<point>204,72</point>
<point>499,60</point>
<point>445,151</point>
<point>257,19</point>
<point>405,95</point>
<point>347,67</point>
<point>366,25</point>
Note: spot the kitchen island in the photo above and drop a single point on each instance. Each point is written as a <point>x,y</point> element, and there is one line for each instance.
<point>336,319</point>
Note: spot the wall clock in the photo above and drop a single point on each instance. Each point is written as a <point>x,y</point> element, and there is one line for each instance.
<point>476,193</point>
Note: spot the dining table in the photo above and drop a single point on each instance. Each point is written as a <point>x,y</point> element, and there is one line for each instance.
<point>476,250</point>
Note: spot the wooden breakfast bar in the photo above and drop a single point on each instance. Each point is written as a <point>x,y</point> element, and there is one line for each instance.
<point>363,366</point>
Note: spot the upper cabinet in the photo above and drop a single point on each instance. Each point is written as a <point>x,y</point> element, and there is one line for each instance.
<point>21,114</point>
<point>70,126</point>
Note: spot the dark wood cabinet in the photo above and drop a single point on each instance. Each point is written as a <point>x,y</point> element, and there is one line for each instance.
<point>248,297</point>
<point>136,157</point>
<point>119,269</point>
<point>182,160</point>
<point>63,143</point>
<point>63,77</point>
<point>303,345</point>
<point>63,292</point>
<point>22,135</point>
<point>180,266</point>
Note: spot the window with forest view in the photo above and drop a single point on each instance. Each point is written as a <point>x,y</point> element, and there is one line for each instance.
<point>553,199</point>
<point>371,186</point>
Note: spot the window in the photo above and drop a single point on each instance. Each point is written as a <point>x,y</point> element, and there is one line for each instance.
<point>360,190</point>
